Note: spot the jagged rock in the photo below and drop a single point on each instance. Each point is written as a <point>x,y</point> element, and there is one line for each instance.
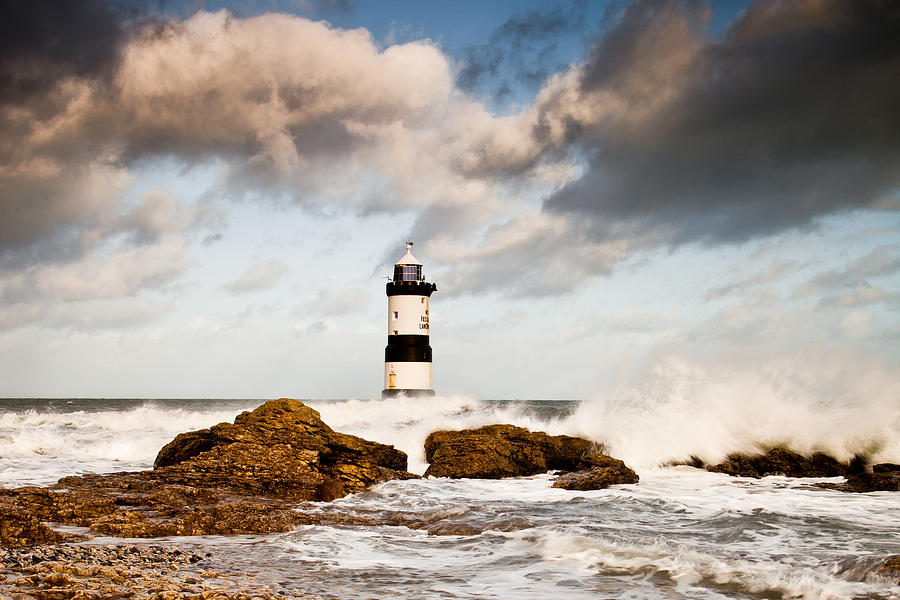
<point>780,461</point>
<point>282,449</point>
<point>604,472</point>
<point>890,567</point>
<point>19,528</point>
<point>885,477</point>
<point>245,477</point>
<point>497,451</point>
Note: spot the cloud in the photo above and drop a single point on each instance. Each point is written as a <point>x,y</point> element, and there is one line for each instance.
<point>741,286</point>
<point>97,290</point>
<point>334,304</point>
<point>880,262</point>
<point>791,115</point>
<point>275,98</point>
<point>519,52</point>
<point>261,276</point>
<point>532,255</point>
<point>43,43</point>
<point>661,136</point>
<point>104,314</point>
<point>159,213</point>
<point>850,286</point>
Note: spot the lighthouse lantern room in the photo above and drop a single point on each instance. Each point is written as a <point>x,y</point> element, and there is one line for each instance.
<point>407,357</point>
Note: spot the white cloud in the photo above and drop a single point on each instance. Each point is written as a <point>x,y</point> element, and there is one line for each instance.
<point>262,276</point>
<point>100,289</point>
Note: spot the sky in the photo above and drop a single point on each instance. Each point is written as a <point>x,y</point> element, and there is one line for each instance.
<point>205,199</point>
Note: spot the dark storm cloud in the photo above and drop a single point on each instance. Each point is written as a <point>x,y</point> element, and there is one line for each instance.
<point>793,114</point>
<point>519,53</point>
<point>42,42</point>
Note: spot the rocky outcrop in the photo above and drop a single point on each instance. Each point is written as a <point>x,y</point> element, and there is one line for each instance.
<point>497,451</point>
<point>780,461</point>
<point>19,528</point>
<point>884,477</point>
<point>282,449</point>
<point>604,472</point>
<point>233,478</point>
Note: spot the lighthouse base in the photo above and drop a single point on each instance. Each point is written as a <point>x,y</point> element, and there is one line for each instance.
<point>394,392</point>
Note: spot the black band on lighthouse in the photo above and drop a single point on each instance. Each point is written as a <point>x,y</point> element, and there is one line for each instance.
<point>407,354</point>
<point>410,288</point>
<point>407,340</point>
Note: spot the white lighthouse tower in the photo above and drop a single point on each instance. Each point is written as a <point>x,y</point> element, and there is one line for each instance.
<point>407,357</point>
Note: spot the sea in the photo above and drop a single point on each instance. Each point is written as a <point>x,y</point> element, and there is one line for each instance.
<point>681,532</point>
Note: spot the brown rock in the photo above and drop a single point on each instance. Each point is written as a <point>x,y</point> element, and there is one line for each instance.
<point>19,528</point>
<point>604,472</point>
<point>890,567</point>
<point>241,477</point>
<point>886,468</point>
<point>885,477</point>
<point>282,449</point>
<point>780,461</point>
<point>497,451</point>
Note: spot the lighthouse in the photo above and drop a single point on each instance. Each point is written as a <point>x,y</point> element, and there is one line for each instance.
<point>407,357</point>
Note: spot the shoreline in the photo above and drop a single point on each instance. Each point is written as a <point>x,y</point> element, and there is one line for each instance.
<point>158,570</point>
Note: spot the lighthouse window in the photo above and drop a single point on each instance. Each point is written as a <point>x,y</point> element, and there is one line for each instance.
<point>396,316</point>
<point>407,272</point>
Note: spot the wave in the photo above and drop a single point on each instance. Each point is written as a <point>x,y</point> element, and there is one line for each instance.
<point>406,422</point>
<point>122,434</point>
<point>678,409</point>
<point>811,404</point>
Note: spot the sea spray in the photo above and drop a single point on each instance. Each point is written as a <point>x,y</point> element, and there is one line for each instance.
<point>683,409</point>
<point>677,410</point>
<point>406,422</point>
<point>67,437</point>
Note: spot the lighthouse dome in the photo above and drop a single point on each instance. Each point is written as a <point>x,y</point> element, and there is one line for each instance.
<point>408,268</point>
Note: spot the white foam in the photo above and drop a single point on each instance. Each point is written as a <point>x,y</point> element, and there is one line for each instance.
<point>40,446</point>
<point>406,422</point>
<point>684,408</point>
<point>679,533</point>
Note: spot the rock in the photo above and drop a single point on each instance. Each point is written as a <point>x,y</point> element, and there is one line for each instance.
<point>885,477</point>
<point>19,528</point>
<point>96,572</point>
<point>885,468</point>
<point>497,451</point>
<point>183,447</point>
<point>604,472</point>
<point>890,567</point>
<point>780,461</point>
<point>282,449</point>
<point>233,478</point>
